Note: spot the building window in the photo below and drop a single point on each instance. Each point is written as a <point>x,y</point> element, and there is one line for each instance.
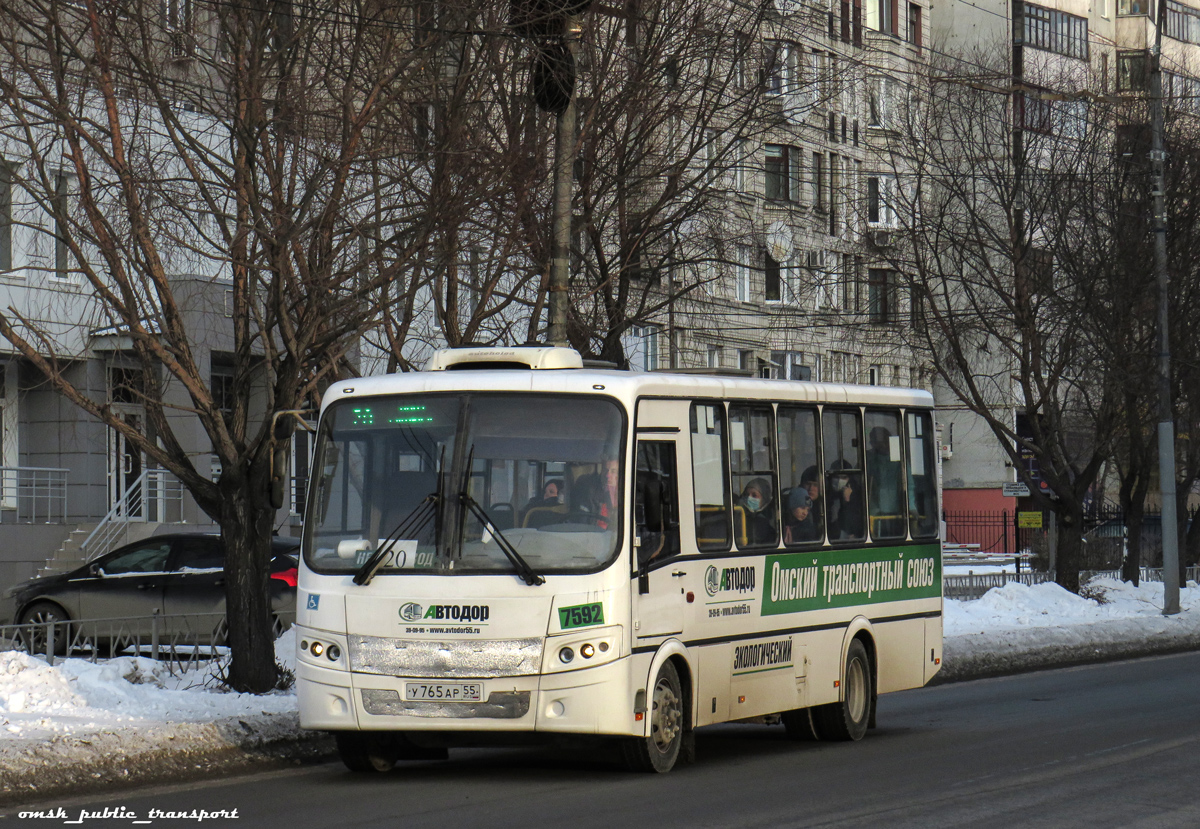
<point>881,200</point>
<point>881,15</point>
<point>1055,31</point>
<point>220,384</point>
<point>818,185</point>
<point>1035,112</point>
<point>1182,91</point>
<point>914,25</point>
<point>746,360</point>
<point>881,296</point>
<point>781,68</point>
<point>879,101</point>
<point>781,173</point>
<point>774,290</point>
<point>741,158</point>
<point>714,356</point>
<point>742,274</point>
<point>1132,71</point>
<point>1126,8</point>
<point>1035,274</point>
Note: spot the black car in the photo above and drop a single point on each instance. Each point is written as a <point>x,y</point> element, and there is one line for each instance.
<point>171,574</point>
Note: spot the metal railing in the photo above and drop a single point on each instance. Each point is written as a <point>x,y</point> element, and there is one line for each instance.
<point>156,496</point>
<point>33,495</point>
<point>974,585</point>
<point>183,641</point>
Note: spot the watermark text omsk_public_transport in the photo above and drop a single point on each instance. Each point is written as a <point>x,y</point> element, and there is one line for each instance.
<point>121,813</point>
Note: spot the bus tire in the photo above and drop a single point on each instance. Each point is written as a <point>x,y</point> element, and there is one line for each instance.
<point>848,719</point>
<point>657,753</point>
<point>799,725</point>
<point>365,752</point>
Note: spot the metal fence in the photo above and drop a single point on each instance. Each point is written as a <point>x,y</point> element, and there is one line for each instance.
<point>182,642</point>
<point>974,585</point>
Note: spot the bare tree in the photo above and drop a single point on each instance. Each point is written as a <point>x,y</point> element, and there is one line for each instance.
<point>191,152</point>
<point>1010,216</point>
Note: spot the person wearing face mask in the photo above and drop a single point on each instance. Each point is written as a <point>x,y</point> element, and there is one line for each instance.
<point>756,502</point>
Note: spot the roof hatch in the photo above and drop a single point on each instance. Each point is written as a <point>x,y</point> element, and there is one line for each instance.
<point>520,357</point>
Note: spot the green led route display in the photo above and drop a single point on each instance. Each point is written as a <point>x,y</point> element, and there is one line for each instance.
<point>365,416</point>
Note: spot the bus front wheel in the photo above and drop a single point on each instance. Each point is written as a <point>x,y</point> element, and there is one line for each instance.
<point>658,752</point>
<point>848,719</point>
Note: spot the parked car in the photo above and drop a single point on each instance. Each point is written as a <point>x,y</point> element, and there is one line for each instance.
<point>171,574</point>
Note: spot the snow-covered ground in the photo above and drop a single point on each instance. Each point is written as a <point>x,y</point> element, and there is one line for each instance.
<point>131,706</point>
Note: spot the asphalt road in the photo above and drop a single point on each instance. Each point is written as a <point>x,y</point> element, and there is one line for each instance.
<point>1103,745</point>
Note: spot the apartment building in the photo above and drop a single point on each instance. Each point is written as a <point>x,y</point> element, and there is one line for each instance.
<point>794,281</point>
<point>1055,56</point>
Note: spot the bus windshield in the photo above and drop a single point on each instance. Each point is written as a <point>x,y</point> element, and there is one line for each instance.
<point>541,472</point>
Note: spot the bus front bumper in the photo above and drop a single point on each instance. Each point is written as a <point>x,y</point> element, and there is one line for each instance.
<point>595,700</point>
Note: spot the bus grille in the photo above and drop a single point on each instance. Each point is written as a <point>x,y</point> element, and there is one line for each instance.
<point>468,658</point>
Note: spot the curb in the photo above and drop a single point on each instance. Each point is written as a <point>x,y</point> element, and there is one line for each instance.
<point>985,655</point>
<point>175,753</point>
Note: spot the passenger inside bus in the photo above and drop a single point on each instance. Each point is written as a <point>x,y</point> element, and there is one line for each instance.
<point>846,502</point>
<point>810,480</point>
<point>551,495</point>
<point>798,523</point>
<point>760,512</point>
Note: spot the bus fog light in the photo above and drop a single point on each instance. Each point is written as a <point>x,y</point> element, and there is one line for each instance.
<point>333,653</point>
<point>587,651</point>
<point>603,647</point>
<point>303,644</point>
<point>566,655</point>
<point>317,649</point>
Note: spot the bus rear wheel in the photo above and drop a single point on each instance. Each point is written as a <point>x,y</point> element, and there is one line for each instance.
<point>658,752</point>
<point>848,719</point>
<point>366,752</point>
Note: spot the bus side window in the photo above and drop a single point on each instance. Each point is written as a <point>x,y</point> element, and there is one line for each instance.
<point>922,469</point>
<point>657,504</point>
<point>885,475</point>
<point>710,477</point>
<point>800,477</point>
<point>752,474</point>
<point>844,502</point>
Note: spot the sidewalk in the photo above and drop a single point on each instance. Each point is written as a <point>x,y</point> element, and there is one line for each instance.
<point>79,727</point>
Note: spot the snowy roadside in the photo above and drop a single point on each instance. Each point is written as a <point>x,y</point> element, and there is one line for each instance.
<point>79,726</point>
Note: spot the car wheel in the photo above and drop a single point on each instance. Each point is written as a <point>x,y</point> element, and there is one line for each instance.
<point>848,719</point>
<point>41,615</point>
<point>658,752</point>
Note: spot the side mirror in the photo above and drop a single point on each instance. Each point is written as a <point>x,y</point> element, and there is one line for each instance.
<point>95,569</point>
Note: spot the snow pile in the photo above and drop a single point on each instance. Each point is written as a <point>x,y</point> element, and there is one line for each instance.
<point>1015,627</point>
<point>38,702</point>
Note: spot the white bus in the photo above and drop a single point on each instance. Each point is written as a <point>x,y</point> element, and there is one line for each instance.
<point>509,544</point>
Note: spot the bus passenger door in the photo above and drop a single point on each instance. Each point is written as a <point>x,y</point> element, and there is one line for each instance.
<point>659,608</point>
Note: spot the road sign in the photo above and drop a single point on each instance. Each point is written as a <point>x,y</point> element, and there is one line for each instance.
<point>1029,520</point>
<point>1015,490</point>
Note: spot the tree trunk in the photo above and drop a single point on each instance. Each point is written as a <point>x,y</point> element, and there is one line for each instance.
<point>246,524</point>
<point>1131,565</point>
<point>1070,545</point>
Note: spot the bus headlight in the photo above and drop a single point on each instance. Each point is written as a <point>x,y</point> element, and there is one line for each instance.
<point>324,649</point>
<point>581,649</point>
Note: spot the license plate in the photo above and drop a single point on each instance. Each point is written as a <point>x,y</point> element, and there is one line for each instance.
<point>444,691</point>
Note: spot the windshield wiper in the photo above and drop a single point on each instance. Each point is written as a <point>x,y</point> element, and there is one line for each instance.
<point>411,524</point>
<point>519,564</point>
